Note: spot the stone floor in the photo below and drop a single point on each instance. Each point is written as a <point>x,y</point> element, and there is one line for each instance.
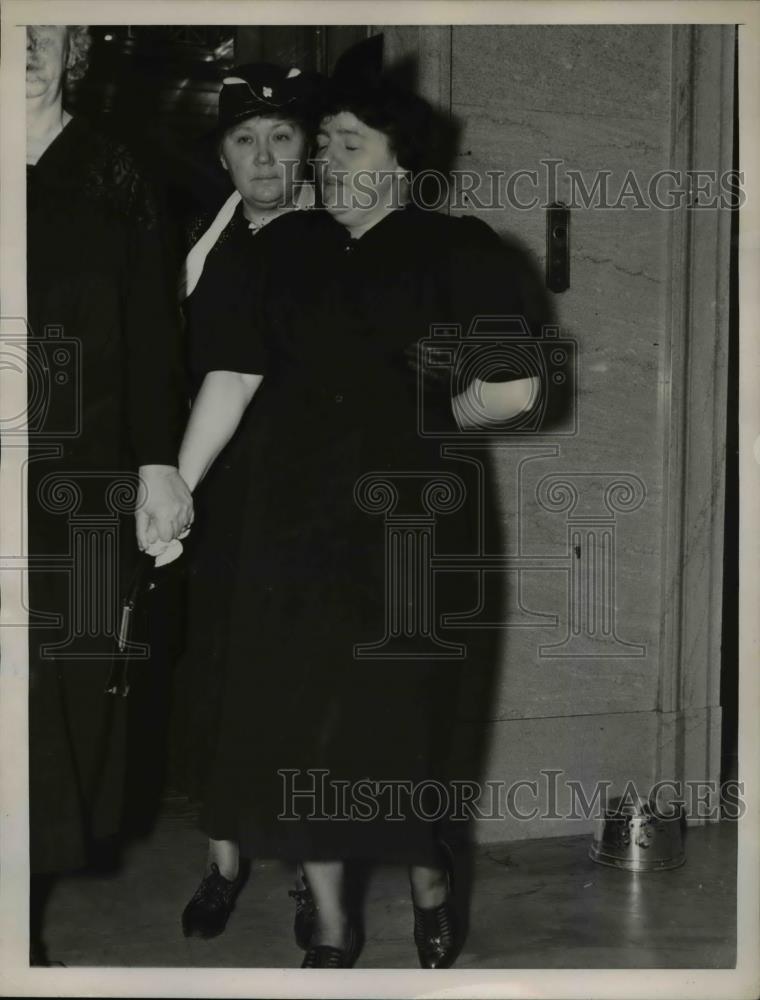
<point>534,904</point>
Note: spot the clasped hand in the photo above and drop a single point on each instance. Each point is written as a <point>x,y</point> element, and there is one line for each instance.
<point>165,512</point>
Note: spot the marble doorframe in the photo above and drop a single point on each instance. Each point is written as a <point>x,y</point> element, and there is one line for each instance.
<point>693,397</point>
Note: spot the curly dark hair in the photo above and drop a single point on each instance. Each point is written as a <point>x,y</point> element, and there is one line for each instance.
<point>405,118</point>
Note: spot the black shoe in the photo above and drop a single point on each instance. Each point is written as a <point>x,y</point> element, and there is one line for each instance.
<point>435,936</point>
<point>325,956</point>
<point>207,913</point>
<point>435,928</point>
<point>306,914</point>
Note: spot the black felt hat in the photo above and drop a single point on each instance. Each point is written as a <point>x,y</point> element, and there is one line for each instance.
<point>384,99</point>
<point>358,72</point>
<point>266,90</point>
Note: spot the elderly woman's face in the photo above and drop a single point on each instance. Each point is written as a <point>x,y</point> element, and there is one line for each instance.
<point>359,172</point>
<point>46,54</point>
<point>265,157</point>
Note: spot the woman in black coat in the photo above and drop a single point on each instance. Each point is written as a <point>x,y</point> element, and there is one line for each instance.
<point>107,407</point>
<point>336,688</point>
<point>265,125</point>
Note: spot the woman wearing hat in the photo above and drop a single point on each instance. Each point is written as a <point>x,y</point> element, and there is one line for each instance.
<point>262,140</point>
<point>326,710</point>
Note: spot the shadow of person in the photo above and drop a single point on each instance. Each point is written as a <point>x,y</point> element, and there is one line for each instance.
<point>474,599</point>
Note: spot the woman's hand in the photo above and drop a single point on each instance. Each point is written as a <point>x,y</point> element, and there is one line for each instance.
<point>167,508</point>
<point>482,403</point>
<point>487,403</point>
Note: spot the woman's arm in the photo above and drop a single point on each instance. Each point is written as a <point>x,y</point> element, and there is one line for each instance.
<point>484,403</point>
<point>493,281</point>
<point>216,413</point>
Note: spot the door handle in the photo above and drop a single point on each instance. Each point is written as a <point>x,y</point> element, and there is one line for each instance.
<point>558,247</point>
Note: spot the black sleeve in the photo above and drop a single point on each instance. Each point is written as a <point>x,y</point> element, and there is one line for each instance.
<point>486,280</point>
<point>490,303</point>
<point>156,385</point>
<point>223,316</point>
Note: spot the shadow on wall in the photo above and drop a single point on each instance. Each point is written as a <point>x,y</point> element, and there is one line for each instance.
<point>538,307</point>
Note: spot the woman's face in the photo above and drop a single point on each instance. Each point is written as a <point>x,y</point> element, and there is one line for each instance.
<point>264,157</point>
<point>46,54</point>
<point>359,173</point>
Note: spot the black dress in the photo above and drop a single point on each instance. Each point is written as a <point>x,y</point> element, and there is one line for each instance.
<point>212,547</point>
<point>106,390</point>
<point>330,321</point>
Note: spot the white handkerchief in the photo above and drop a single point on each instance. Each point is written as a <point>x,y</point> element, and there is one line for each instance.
<point>165,552</point>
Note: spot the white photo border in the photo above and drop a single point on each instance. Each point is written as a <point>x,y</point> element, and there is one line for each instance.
<point>15,976</point>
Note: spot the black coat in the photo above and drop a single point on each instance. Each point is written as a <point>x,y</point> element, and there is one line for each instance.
<point>330,322</point>
<point>106,389</point>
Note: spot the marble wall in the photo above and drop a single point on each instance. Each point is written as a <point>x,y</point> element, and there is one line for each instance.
<point>594,517</point>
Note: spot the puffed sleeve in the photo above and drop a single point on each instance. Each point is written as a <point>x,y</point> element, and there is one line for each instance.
<point>489,279</point>
<point>223,315</point>
<point>496,298</point>
<point>501,298</point>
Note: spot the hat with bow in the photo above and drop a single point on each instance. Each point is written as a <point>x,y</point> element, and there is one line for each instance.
<point>267,91</point>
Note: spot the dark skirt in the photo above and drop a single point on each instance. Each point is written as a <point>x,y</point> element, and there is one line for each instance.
<point>95,759</point>
<point>211,560</point>
<point>314,737</point>
<point>77,732</point>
